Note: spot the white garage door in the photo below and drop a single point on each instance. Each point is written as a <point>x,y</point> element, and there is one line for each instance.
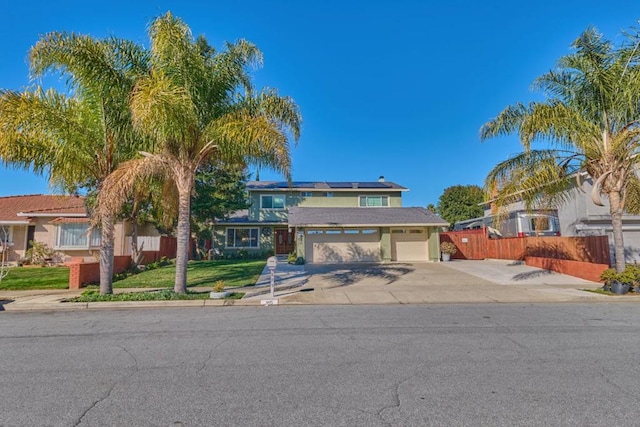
<point>329,246</point>
<point>409,245</point>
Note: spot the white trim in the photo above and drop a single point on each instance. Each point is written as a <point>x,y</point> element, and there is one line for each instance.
<point>374,195</point>
<point>15,223</point>
<point>88,233</point>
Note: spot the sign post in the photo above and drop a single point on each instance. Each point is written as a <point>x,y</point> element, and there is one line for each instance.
<point>272,262</point>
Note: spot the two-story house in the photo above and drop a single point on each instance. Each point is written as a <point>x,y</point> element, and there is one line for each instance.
<point>331,222</point>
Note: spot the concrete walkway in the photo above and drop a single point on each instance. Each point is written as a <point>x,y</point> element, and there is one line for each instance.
<point>462,282</point>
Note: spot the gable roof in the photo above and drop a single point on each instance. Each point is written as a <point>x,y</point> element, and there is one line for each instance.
<point>356,217</point>
<point>325,186</point>
<point>19,209</point>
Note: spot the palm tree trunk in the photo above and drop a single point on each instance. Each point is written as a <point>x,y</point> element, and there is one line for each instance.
<point>616,222</point>
<point>183,232</point>
<point>106,255</point>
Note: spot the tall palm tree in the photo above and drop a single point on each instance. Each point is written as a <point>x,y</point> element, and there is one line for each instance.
<point>79,138</point>
<point>590,122</point>
<point>198,105</point>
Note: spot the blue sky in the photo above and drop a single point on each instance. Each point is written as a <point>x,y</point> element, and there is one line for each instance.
<point>394,88</point>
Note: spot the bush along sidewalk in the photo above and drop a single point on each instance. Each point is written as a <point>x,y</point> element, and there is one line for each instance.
<point>163,295</point>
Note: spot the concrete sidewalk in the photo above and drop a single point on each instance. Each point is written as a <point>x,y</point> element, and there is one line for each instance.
<point>456,282</point>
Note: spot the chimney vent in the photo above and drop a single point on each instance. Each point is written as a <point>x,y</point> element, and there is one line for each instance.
<point>381,179</point>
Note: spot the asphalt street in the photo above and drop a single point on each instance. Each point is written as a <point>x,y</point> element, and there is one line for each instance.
<point>476,365</point>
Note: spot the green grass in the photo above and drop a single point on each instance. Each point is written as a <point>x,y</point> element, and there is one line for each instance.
<point>28,278</point>
<point>234,273</point>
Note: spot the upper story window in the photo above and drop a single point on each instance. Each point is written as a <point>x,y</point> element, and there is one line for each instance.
<point>272,202</point>
<point>76,236</point>
<point>306,194</point>
<point>374,201</point>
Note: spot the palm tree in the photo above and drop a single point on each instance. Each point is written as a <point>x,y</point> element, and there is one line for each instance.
<point>77,139</point>
<point>198,105</point>
<point>591,122</point>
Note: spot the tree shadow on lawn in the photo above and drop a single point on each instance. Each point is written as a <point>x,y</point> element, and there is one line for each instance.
<point>231,273</point>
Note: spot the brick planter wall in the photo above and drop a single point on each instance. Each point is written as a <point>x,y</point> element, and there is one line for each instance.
<point>81,273</point>
<point>583,270</point>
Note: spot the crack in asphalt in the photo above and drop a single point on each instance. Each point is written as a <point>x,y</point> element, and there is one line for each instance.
<point>113,386</point>
<point>93,405</point>
<point>396,399</point>
<point>342,332</point>
<point>204,362</point>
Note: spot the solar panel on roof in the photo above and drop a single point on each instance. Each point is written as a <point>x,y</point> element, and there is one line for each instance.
<point>303,185</point>
<point>340,184</point>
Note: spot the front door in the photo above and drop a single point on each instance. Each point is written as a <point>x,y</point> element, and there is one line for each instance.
<point>284,241</point>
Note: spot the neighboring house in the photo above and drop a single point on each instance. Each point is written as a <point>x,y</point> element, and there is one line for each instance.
<point>331,222</point>
<point>60,222</point>
<point>579,216</point>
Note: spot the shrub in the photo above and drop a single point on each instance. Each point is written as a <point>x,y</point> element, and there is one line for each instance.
<point>299,261</point>
<point>218,286</point>
<point>270,253</point>
<point>609,275</point>
<point>39,253</point>
<point>448,248</point>
<point>292,258</point>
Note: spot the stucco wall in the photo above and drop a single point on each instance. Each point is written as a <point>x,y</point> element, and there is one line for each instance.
<point>338,200</point>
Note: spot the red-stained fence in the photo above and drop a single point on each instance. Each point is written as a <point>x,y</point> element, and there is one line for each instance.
<point>584,257</point>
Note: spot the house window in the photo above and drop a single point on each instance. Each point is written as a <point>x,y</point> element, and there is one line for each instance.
<point>77,236</point>
<point>327,194</point>
<point>369,231</point>
<point>242,237</point>
<point>6,234</point>
<point>272,202</point>
<point>315,232</point>
<point>306,194</point>
<point>351,231</point>
<point>334,232</point>
<point>374,201</point>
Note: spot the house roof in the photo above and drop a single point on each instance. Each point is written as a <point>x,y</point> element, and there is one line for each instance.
<point>332,217</point>
<point>325,186</point>
<point>18,209</point>
<point>242,217</point>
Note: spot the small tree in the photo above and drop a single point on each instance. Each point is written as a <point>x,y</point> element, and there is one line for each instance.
<point>460,202</point>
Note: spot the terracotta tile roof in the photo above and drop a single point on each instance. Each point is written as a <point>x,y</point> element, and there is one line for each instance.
<point>39,204</point>
<point>67,220</point>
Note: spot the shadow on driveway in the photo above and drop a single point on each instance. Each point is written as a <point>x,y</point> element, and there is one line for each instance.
<point>340,275</point>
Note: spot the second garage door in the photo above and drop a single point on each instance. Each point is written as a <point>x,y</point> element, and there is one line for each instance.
<point>351,245</point>
<point>409,245</point>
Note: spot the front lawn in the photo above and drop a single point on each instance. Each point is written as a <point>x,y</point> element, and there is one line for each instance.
<point>27,278</point>
<point>234,273</point>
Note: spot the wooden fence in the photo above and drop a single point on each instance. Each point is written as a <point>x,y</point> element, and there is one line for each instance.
<point>584,257</point>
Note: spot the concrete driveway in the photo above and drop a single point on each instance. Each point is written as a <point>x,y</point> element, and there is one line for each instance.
<point>452,282</point>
